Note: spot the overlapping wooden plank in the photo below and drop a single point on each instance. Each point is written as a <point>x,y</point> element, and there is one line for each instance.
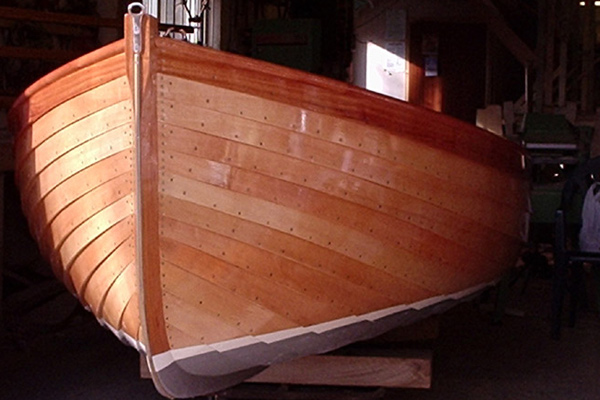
<point>302,280</point>
<point>41,211</point>
<point>84,105</point>
<point>84,207</point>
<point>182,321</point>
<point>89,153</point>
<point>296,307</point>
<point>92,256</point>
<point>218,155</point>
<point>339,100</point>
<point>67,139</point>
<point>326,139</point>
<point>394,229</point>
<point>130,320</point>
<point>118,296</point>
<point>388,229</point>
<point>70,80</point>
<point>256,236</point>
<point>353,244</point>
<point>91,229</point>
<point>245,314</point>
<point>338,183</point>
<point>94,292</point>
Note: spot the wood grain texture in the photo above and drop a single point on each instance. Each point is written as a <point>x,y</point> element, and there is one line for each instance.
<point>391,371</point>
<point>339,100</point>
<point>74,171</point>
<point>279,213</point>
<point>251,189</point>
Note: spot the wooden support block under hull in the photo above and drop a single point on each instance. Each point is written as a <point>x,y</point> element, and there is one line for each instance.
<point>401,369</point>
<point>400,358</point>
<point>405,368</point>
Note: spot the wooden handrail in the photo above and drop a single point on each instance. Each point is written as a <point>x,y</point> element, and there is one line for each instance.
<point>25,14</point>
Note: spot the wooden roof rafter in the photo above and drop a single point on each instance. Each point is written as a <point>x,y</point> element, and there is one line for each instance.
<point>499,26</point>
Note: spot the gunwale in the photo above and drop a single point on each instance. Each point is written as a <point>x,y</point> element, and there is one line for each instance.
<point>139,288</point>
<point>337,99</point>
<point>45,94</point>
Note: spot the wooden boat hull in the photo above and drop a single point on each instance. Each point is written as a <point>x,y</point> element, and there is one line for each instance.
<point>238,214</point>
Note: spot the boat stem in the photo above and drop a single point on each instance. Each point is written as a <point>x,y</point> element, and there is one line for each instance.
<point>136,11</point>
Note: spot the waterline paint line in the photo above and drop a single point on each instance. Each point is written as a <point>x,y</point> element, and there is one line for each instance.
<point>163,360</point>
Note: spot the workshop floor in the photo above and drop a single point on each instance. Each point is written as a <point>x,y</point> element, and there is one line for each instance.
<point>41,357</point>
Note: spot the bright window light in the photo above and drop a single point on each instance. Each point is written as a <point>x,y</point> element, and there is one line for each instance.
<point>386,70</point>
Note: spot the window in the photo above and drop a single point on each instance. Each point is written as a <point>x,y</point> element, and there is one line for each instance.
<point>181,17</point>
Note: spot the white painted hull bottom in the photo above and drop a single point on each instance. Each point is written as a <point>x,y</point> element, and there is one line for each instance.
<point>206,369</point>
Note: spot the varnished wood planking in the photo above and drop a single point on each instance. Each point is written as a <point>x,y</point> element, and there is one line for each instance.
<point>334,181</point>
<point>130,320</point>
<point>239,243</point>
<point>301,209</point>
<point>354,244</point>
<point>119,294</point>
<point>240,282</point>
<point>67,139</point>
<point>183,319</point>
<point>41,211</point>
<point>307,283</point>
<point>256,237</point>
<point>83,208</point>
<point>62,116</point>
<point>216,162</point>
<point>339,100</point>
<point>60,127</point>
<point>389,230</point>
<point>341,144</point>
<point>93,256</point>
<point>83,157</point>
<point>222,172</point>
<point>103,277</point>
<point>224,158</point>
<point>70,80</point>
<point>91,229</point>
<point>244,314</point>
